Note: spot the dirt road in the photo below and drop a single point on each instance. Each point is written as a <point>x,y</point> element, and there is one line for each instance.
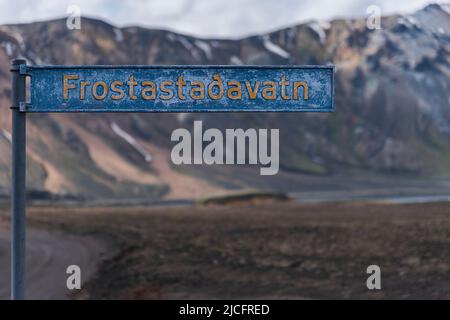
<point>48,256</point>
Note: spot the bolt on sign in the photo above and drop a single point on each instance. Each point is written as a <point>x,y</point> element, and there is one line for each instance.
<point>149,89</point>
<point>180,89</point>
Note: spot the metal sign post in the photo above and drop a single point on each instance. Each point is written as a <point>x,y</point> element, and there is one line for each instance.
<point>150,89</point>
<point>18,218</point>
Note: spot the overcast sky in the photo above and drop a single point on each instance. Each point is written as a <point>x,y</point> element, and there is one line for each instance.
<point>206,18</point>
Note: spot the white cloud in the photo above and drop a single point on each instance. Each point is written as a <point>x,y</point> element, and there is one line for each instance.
<point>207,18</point>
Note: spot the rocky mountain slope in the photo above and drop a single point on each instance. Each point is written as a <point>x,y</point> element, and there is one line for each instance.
<point>392,106</point>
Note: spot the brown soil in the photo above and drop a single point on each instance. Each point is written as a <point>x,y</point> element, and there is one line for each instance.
<point>279,250</point>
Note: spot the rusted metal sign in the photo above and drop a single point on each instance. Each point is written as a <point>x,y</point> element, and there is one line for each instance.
<point>180,88</point>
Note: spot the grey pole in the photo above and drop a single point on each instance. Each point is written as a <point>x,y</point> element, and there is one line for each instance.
<point>18,219</point>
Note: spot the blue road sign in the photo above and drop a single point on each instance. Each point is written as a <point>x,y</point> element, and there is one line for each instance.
<point>181,88</point>
<point>149,89</point>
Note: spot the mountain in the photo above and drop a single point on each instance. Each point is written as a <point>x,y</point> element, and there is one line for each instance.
<point>392,107</point>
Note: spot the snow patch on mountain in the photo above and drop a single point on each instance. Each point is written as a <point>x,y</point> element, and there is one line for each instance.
<point>34,58</point>
<point>118,34</point>
<point>320,27</point>
<point>215,44</point>
<point>236,61</point>
<point>171,37</point>
<point>204,47</point>
<point>189,47</point>
<point>445,7</point>
<point>9,47</point>
<point>18,37</point>
<point>408,21</point>
<point>7,135</point>
<point>132,141</point>
<point>272,47</point>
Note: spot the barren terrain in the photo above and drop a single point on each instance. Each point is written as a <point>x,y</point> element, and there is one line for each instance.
<point>267,250</point>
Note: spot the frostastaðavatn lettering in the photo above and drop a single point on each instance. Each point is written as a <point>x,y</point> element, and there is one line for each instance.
<point>179,89</point>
